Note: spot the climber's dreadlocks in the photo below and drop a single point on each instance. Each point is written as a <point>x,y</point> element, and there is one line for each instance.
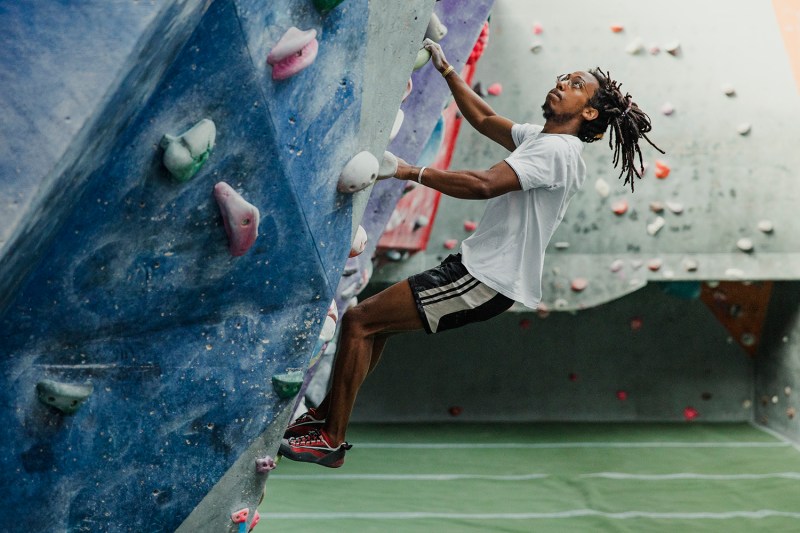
<point>628,124</point>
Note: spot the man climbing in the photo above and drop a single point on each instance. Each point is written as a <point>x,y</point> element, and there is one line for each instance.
<point>501,262</point>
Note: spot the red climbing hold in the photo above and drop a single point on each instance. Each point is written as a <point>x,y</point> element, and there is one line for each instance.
<point>636,324</point>
<point>470,225</point>
<point>662,170</point>
<point>450,243</point>
<point>620,207</point>
<point>573,376</point>
<point>455,410</point>
<point>617,28</point>
<point>525,324</point>
<point>240,516</point>
<point>690,413</point>
<point>622,395</point>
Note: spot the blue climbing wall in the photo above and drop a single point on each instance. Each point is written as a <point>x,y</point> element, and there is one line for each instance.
<point>117,275</point>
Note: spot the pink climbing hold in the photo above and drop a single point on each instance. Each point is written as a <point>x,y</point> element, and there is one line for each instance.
<point>256,519</point>
<point>293,52</point>
<point>265,464</point>
<point>450,243</point>
<point>240,516</point>
<point>690,413</point>
<point>579,284</point>
<point>542,311</point>
<point>620,207</point>
<point>662,170</point>
<point>654,264</point>
<point>470,225</point>
<point>537,29</point>
<point>240,218</point>
<point>495,89</point>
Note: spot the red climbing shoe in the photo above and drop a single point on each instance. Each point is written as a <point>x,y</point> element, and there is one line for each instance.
<point>310,420</point>
<point>314,447</point>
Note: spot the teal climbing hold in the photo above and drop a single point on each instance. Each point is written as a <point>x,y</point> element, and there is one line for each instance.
<point>324,6</point>
<point>288,384</point>
<point>65,397</point>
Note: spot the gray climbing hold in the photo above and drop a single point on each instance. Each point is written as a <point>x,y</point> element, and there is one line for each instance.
<point>186,153</point>
<point>423,56</point>
<point>766,226</point>
<point>66,397</point>
<point>743,129</point>
<point>436,30</point>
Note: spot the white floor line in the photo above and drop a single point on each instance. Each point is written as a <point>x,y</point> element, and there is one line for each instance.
<point>559,445</point>
<point>782,438</point>
<point>689,475</point>
<point>575,513</point>
<point>411,477</point>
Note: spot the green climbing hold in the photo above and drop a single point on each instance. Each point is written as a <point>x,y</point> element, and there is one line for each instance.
<point>186,153</point>
<point>326,5</point>
<point>288,384</point>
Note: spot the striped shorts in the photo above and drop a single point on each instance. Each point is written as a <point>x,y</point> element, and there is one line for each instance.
<point>448,297</point>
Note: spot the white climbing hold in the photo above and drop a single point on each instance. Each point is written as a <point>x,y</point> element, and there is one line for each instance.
<point>766,226</point>
<point>635,47</point>
<point>673,48</point>
<point>359,242</point>
<point>422,221</point>
<point>743,128</point>
<point>617,265</point>
<point>436,30</point>
<point>358,173</point>
<point>656,207</point>
<point>667,108</point>
<point>562,245</point>
<point>398,122</point>
<point>186,153</point>
<point>409,88</point>
<point>636,264</point>
<point>560,304</point>
<point>734,273</point>
<point>388,166</point>
<point>745,244</point>
<point>668,274</point>
<point>656,225</point>
<point>423,56</point>
<point>602,187</point>
<point>333,310</point>
<point>690,265</point>
<point>728,89</point>
<point>328,330</point>
<point>675,207</point>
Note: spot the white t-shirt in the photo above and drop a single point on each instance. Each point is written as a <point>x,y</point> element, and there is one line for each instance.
<point>506,252</point>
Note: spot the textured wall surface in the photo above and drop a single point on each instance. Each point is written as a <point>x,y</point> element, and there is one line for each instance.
<point>119,276</point>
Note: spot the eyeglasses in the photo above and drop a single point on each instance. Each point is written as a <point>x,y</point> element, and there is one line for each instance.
<point>576,82</point>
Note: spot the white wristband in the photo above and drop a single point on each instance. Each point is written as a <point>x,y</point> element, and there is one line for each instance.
<point>419,176</point>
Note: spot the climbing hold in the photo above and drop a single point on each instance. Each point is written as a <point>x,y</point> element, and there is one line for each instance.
<point>787,391</point>
<point>636,323</point>
<point>743,129</point>
<point>673,48</point>
<point>602,187</point>
<point>398,122</point>
<point>572,376</point>
<point>654,264</point>
<point>635,47</point>
<point>728,89</point>
<point>186,153</point>
<point>560,304</point>
<point>561,245</point>
<point>359,242</point>
<point>359,173</point>
<point>734,273</point>
<point>667,108</point>
<point>790,412</point>
<point>690,265</point>
<point>656,207</point>
<point>388,166</point>
<point>470,225</point>
<point>239,217</point>
<point>423,56</point>
<point>536,47</point>
<point>240,516</point>
<point>747,339</point>
<point>324,6</point>
<point>525,324</point>
<point>690,413</point>
<point>333,310</point>
<point>288,384</point>
<point>636,264</point>
<point>436,30</point>
<point>537,28</point>
<point>745,244</point>
<point>622,395</point>
<point>579,284</point>
<point>293,52</point>
<point>265,464</point>
<point>421,221</point>
<point>450,243</point>
<point>407,92</point>
<point>328,330</point>
<point>654,49</point>
<point>495,89</point>
<point>620,207</point>
<point>746,404</point>
<point>774,399</point>
<point>616,265</point>
<point>617,28</point>
<point>675,207</point>
<point>394,255</point>
<point>766,226</point>
<point>66,397</point>
<point>662,169</point>
<point>256,519</point>
<point>455,410</point>
<point>542,311</point>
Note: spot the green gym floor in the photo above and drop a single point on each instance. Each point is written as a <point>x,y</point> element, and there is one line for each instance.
<point>544,477</point>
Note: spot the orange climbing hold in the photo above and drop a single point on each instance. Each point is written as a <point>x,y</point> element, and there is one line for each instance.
<point>662,169</point>
<point>617,28</point>
<point>620,208</point>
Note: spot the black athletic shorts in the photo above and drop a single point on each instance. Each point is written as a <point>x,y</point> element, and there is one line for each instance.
<point>449,297</point>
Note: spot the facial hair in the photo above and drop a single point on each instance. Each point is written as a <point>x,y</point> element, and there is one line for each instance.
<point>551,116</point>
